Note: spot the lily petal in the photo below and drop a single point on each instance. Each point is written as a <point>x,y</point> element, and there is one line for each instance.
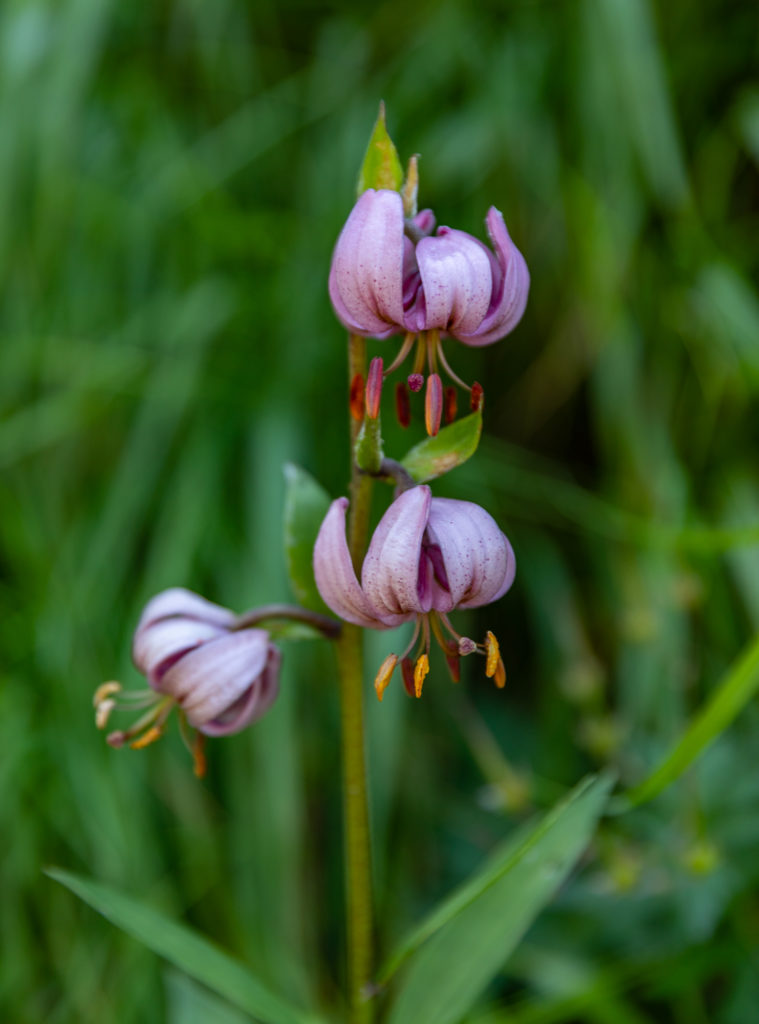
<point>334,573</point>
<point>159,644</point>
<point>456,281</point>
<point>390,574</point>
<point>366,277</point>
<point>251,705</point>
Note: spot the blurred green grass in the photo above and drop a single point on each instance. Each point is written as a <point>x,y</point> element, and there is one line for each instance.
<point>172,179</point>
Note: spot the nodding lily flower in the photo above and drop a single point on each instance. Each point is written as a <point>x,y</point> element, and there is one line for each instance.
<point>390,275</point>
<point>427,557</point>
<point>196,657</point>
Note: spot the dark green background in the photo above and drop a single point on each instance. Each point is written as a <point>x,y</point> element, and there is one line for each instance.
<point>172,179</point>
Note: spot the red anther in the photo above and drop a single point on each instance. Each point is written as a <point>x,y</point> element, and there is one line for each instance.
<point>433,404</point>
<point>407,671</point>
<point>356,400</point>
<point>453,660</point>
<point>402,404</point>
<point>374,388</point>
<point>477,398</point>
<point>415,381</point>
<point>451,404</point>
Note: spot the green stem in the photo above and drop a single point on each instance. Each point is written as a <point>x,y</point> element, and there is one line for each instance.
<point>358,880</point>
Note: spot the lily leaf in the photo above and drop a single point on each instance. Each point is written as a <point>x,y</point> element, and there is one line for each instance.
<point>452,446</point>
<point>459,948</point>
<point>306,504</point>
<point>186,949</point>
<point>382,166</point>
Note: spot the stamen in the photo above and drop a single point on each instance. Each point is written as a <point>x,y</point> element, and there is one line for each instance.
<point>105,690</point>
<point>433,343</point>
<point>493,653</point>
<point>415,381</point>
<point>356,399</point>
<point>405,348</point>
<point>421,353</point>
<point>103,712</point>
<point>448,370</point>
<point>150,736</point>
<point>477,399</point>
<point>451,404</point>
<point>414,635</point>
<point>402,404</point>
<point>374,388</point>
<point>421,670</point>
<point>407,671</point>
<point>453,661</point>
<point>433,404</point>
<point>500,674</point>
<point>384,675</point>
<point>199,763</point>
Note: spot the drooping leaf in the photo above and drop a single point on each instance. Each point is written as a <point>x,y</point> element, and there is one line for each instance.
<point>190,1003</point>
<point>382,166</point>
<point>736,689</point>
<point>464,942</point>
<point>306,504</point>
<point>186,949</point>
<point>453,445</point>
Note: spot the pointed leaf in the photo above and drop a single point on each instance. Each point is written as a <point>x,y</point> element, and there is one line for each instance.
<point>470,936</point>
<point>189,1003</point>
<point>450,448</point>
<point>381,167</point>
<point>186,949</point>
<point>306,504</point>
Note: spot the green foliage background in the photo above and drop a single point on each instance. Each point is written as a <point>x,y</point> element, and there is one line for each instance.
<point>172,179</point>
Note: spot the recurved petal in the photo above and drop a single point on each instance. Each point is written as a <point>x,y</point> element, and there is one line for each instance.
<point>250,705</point>
<point>456,281</point>
<point>161,643</point>
<point>366,276</point>
<point>177,601</point>
<point>390,574</point>
<point>511,286</point>
<point>334,574</point>
<point>478,558</point>
<point>211,678</point>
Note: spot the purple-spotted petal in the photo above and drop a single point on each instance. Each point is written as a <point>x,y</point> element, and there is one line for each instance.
<point>456,281</point>
<point>366,276</point>
<point>390,574</point>
<point>334,573</point>
<point>511,286</point>
<point>210,678</point>
<point>158,645</point>
<point>252,704</point>
<point>479,561</point>
<point>177,601</point>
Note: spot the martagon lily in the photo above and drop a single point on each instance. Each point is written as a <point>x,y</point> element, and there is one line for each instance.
<point>390,275</point>
<point>427,557</point>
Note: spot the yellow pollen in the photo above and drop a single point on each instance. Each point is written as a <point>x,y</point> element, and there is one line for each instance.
<point>103,712</point>
<point>105,690</point>
<point>421,669</point>
<point>150,736</point>
<point>500,674</point>
<point>493,652</point>
<point>384,675</point>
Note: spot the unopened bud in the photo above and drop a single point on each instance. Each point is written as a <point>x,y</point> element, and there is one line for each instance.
<point>385,674</point>
<point>415,381</point>
<point>374,388</point>
<point>402,404</point>
<point>433,404</point>
<point>356,400</point>
<point>451,404</point>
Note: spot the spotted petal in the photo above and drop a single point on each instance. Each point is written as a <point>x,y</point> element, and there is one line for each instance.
<point>390,574</point>
<point>456,283</point>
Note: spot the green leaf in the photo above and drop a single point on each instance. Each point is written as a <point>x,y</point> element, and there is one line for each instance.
<point>450,448</point>
<point>186,949</point>
<point>382,166</point>
<point>306,504</point>
<point>736,689</point>
<point>469,937</point>
<point>189,1003</point>
<point>368,450</point>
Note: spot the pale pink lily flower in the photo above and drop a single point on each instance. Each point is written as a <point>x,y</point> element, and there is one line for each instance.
<point>427,557</point>
<point>391,276</point>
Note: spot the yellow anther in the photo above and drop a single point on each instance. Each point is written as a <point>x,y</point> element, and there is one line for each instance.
<point>493,652</point>
<point>103,712</point>
<point>103,691</point>
<point>384,675</point>
<point>149,736</point>
<point>421,669</point>
<point>500,674</point>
